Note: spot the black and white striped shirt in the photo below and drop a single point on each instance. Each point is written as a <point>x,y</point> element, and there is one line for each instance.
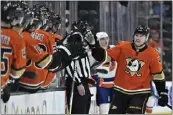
<point>82,66</point>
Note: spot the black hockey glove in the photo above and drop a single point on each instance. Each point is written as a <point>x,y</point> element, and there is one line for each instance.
<point>98,53</point>
<point>163,98</point>
<point>76,50</point>
<point>162,91</point>
<point>5,94</point>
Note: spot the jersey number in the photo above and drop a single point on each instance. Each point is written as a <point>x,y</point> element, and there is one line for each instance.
<point>5,52</point>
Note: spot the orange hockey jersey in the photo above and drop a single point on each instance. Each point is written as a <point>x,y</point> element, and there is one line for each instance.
<point>134,69</point>
<point>50,75</point>
<point>13,55</point>
<point>39,49</point>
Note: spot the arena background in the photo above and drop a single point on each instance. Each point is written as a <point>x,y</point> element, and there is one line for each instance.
<point>119,20</point>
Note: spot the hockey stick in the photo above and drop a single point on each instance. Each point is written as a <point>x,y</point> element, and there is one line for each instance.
<point>169,106</point>
<point>102,71</point>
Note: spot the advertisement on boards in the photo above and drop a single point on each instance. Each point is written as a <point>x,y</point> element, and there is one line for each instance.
<point>38,103</point>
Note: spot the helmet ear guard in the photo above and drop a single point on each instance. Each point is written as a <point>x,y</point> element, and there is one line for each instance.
<point>147,37</point>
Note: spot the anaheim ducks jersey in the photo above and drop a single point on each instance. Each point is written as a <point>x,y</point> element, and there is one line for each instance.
<point>50,75</point>
<point>40,49</point>
<point>134,68</point>
<point>13,55</point>
<point>106,80</point>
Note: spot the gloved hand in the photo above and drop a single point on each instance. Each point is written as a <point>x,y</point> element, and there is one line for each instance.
<point>89,38</point>
<point>98,54</point>
<point>5,94</point>
<point>76,50</point>
<point>163,98</point>
<point>81,89</point>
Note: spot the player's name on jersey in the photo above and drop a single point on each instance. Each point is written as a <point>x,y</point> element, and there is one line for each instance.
<point>37,36</point>
<point>5,39</point>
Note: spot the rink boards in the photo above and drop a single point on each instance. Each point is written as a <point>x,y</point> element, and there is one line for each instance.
<point>52,102</point>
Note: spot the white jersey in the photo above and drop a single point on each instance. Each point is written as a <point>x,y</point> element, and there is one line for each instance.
<point>110,67</point>
<point>107,80</point>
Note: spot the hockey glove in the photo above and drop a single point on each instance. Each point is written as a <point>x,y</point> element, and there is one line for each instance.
<point>98,54</point>
<point>89,38</point>
<point>163,98</point>
<point>5,94</point>
<point>76,50</point>
<point>162,91</point>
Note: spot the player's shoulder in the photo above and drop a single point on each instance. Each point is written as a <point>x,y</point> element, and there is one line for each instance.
<point>153,51</point>
<point>123,44</point>
<point>57,36</point>
<point>25,34</point>
<point>111,46</point>
<point>10,32</point>
<point>40,31</point>
<point>13,35</point>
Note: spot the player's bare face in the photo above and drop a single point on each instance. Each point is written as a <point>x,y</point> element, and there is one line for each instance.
<point>104,42</point>
<point>139,39</point>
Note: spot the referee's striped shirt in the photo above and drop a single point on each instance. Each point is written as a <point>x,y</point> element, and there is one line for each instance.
<point>82,69</point>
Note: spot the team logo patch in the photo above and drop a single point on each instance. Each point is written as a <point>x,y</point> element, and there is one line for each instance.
<point>134,66</point>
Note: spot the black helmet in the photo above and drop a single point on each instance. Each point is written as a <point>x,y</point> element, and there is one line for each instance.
<point>12,13</point>
<point>56,22</point>
<point>142,29</point>
<point>31,20</point>
<point>53,23</point>
<point>7,9</point>
<point>80,26</point>
<point>84,28</point>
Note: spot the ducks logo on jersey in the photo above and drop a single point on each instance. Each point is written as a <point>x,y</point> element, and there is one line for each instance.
<point>134,66</point>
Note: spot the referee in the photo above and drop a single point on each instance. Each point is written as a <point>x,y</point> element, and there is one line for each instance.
<point>79,72</point>
<point>81,93</point>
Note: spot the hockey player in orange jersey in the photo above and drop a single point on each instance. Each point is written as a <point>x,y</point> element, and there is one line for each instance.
<point>39,58</point>
<point>51,27</point>
<point>13,54</point>
<point>43,43</point>
<point>136,63</point>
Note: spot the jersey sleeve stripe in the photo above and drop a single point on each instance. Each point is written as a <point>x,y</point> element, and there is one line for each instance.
<point>17,73</point>
<point>157,72</point>
<point>159,76</point>
<point>44,62</point>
